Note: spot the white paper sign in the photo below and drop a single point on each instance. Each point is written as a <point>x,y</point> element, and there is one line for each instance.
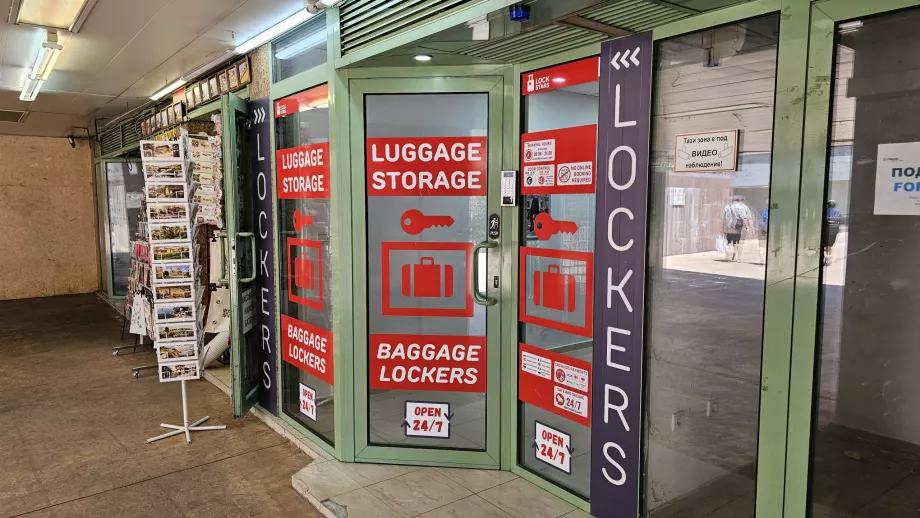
<point>570,401</point>
<point>708,152</point>
<point>536,365</point>
<point>425,419</point>
<point>571,376</point>
<point>308,401</point>
<point>540,151</point>
<point>540,175</point>
<point>553,447</point>
<point>249,311</point>
<point>897,186</point>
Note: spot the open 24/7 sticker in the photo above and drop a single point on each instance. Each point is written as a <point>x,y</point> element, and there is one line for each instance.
<point>553,447</point>
<point>308,402</point>
<point>427,419</point>
<point>559,161</point>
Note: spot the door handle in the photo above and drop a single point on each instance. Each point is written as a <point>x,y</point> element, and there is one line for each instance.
<point>479,298</point>
<point>252,248</point>
<point>222,240</point>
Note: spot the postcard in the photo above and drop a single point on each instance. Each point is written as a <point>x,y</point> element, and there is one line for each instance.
<point>224,83</point>
<point>168,212</point>
<point>179,371</point>
<point>173,293</point>
<point>178,351</point>
<point>176,332</point>
<point>233,77</point>
<point>166,192</point>
<point>162,149</point>
<point>164,172</point>
<point>170,232</point>
<point>171,253</point>
<point>172,273</point>
<point>213,85</point>
<point>243,68</point>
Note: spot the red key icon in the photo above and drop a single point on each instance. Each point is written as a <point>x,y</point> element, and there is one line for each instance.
<point>546,227</point>
<point>413,221</point>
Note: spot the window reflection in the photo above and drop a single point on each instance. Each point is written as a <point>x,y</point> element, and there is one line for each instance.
<point>707,239</point>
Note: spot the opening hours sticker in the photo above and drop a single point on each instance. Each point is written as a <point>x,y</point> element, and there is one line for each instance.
<point>426,419</point>
<point>553,447</point>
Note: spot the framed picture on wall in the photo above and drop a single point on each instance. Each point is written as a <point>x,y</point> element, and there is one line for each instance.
<point>164,119</point>
<point>214,86</point>
<point>178,112</point>
<point>189,97</point>
<point>233,78</point>
<point>224,82</point>
<point>143,128</point>
<point>151,125</point>
<point>205,91</point>
<point>170,116</point>
<point>243,68</point>
<point>196,94</point>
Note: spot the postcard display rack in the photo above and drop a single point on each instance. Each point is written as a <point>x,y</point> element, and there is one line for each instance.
<point>177,291</point>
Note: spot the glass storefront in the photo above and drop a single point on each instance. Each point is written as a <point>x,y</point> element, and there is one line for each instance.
<point>707,271</point>
<point>305,261</point>
<point>125,187</point>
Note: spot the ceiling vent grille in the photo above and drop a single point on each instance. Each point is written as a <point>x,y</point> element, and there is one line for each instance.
<point>365,22</point>
<point>126,134</point>
<point>12,115</point>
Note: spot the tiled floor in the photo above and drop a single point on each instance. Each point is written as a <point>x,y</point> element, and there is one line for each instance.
<point>352,490</point>
<point>73,424</point>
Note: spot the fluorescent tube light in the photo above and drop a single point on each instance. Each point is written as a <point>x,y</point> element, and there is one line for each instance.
<point>30,89</point>
<point>721,109</point>
<point>170,88</point>
<point>46,60</point>
<point>302,45</point>
<point>68,15</point>
<point>280,28</point>
<point>329,3</point>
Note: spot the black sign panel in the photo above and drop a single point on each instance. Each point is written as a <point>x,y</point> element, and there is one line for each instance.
<point>495,226</point>
<point>260,147</point>
<point>619,271</point>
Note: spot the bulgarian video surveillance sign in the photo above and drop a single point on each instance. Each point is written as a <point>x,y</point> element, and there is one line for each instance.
<point>897,180</point>
<point>706,152</point>
<point>619,262</point>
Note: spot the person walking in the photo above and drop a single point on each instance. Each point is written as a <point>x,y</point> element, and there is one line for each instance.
<point>736,217</point>
<point>833,220</point>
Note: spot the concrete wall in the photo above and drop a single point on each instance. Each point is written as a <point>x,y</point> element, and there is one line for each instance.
<point>47,218</point>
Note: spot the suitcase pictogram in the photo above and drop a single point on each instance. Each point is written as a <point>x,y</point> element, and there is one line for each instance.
<point>305,273</point>
<point>554,290</point>
<point>425,279</point>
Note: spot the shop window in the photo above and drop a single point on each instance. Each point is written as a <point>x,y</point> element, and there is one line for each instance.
<point>125,187</point>
<point>427,339</point>
<point>558,155</point>
<point>301,50</point>
<point>305,281</point>
<point>866,431</point>
<point>712,132</point>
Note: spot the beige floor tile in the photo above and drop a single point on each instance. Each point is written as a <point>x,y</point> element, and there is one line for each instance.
<point>360,503</point>
<point>577,513</point>
<point>522,499</point>
<point>323,480</point>
<point>369,474</point>
<point>477,480</point>
<point>418,492</point>
<point>470,507</point>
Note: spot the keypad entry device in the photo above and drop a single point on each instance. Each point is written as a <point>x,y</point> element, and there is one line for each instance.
<point>509,188</point>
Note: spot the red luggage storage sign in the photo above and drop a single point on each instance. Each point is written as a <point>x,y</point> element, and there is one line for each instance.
<point>305,276</point>
<point>554,290</point>
<point>425,278</point>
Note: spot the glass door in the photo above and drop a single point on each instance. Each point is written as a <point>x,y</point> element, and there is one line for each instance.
<point>240,253</point>
<point>427,327</point>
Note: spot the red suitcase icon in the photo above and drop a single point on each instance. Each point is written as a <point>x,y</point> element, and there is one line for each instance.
<point>426,279</point>
<point>552,289</point>
<point>305,273</point>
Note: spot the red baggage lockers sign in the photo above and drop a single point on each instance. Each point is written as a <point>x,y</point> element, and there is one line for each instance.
<point>556,383</point>
<point>307,347</point>
<point>560,76</point>
<point>427,166</point>
<point>428,362</point>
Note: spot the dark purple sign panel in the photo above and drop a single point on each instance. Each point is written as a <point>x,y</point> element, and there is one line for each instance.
<point>619,273</point>
<point>260,113</point>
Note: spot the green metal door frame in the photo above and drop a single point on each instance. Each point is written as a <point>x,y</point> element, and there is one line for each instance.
<point>105,223</point>
<point>365,452</point>
<point>825,15</point>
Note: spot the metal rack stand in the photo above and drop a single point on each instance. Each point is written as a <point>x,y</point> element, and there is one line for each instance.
<point>186,428</point>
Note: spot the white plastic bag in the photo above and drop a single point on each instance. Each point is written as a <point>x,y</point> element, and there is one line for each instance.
<point>721,244</point>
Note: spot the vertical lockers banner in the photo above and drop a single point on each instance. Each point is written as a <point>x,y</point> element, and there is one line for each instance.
<point>619,273</point>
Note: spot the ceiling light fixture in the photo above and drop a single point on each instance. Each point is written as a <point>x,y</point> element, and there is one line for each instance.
<point>423,57</point>
<point>30,89</point>
<point>708,111</point>
<point>558,79</point>
<point>46,59</point>
<point>329,3</point>
<point>170,88</point>
<point>276,30</point>
<point>67,15</point>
